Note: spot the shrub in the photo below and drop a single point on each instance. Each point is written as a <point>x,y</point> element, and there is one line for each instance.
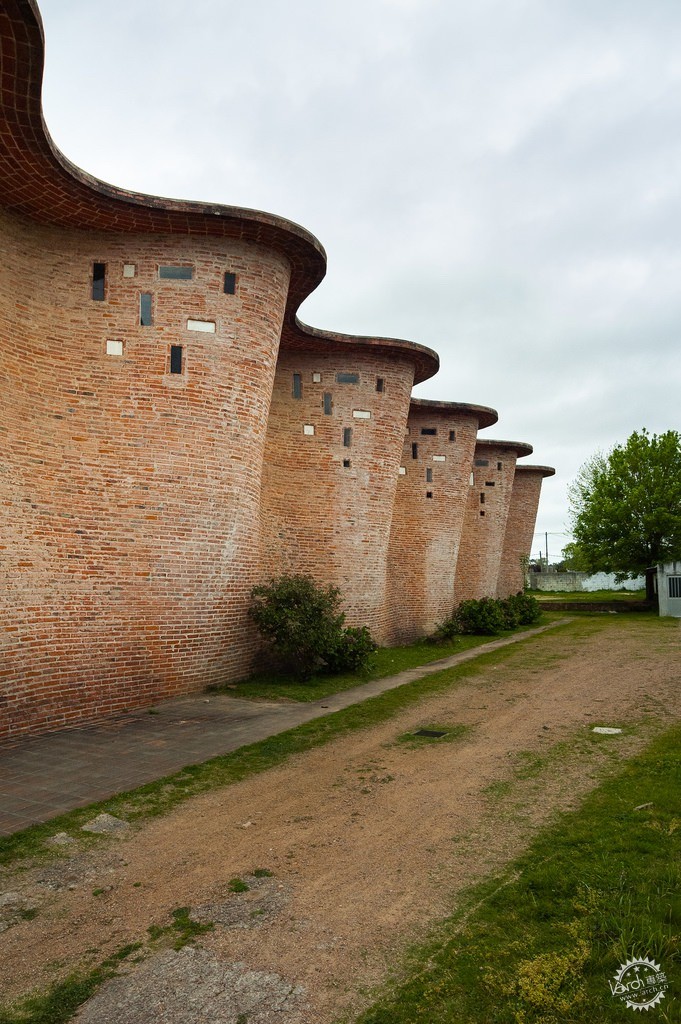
<point>304,622</point>
<point>351,651</point>
<point>526,608</point>
<point>445,631</point>
<point>484,617</point>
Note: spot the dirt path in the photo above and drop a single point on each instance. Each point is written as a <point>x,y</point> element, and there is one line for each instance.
<point>369,839</point>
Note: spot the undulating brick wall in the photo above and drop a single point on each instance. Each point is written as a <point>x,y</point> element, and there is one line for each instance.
<point>170,438</point>
<point>484,529</point>
<point>429,512</point>
<point>129,493</point>
<point>522,516</point>
<point>331,469</point>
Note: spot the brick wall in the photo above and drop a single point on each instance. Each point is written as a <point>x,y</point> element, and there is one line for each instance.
<point>328,496</point>
<point>522,516</point>
<point>488,502</point>
<point>129,494</point>
<point>429,513</point>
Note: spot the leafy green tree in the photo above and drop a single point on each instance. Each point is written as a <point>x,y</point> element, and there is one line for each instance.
<point>626,506</point>
<point>574,559</point>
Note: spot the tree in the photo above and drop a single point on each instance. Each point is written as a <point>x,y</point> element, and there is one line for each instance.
<point>574,559</point>
<point>626,506</point>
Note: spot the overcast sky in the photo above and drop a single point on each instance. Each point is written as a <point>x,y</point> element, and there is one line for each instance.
<point>498,180</point>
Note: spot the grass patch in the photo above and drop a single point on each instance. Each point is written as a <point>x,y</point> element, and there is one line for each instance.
<point>541,944</point>
<point>61,1001</point>
<point>181,931</point>
<point>386,661</point>
<point>589,595</point>
<point>238,885</point>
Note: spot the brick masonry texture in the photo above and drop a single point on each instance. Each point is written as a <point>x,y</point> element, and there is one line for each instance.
<point>152,473</point>
<point>490,488</point>
<point>522,516</point>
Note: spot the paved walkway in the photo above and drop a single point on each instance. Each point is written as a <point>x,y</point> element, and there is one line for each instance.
<point>44,776</point>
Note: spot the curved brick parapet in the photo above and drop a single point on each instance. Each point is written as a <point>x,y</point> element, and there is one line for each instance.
<point>140,341</point>
<point>489,498</point>
<point>172,434</point>
<point>522,516</point>
<point>429,513</point>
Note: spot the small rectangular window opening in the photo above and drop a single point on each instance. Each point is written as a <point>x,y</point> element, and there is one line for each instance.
<point>347,437</point>
<point>429,430</point>
<point>482,497</point>
<point>327,403</point>
<point>229,286</point>
<point>98,281</point>
<point>316,378</point>
<point>429,476</point>
<point>380,384</point>
<point>489,483</point>
<point>482,462</point>
<point>499,465</point>
<point>414,450</point>
<point>429,494</point>
<point>176,358</point>
<point>452,435</point>
<point>347,378</point>
<point>146,319</point>
<point>346,463</point>
<point>482,512</point>
<point>176,273</point>
<point>674,586</point>
<point>297,385</point>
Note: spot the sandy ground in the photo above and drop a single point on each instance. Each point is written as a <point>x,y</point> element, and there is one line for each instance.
<point>370,840</point>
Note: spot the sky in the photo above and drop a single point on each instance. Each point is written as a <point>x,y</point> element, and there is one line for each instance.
<point>498,180</point>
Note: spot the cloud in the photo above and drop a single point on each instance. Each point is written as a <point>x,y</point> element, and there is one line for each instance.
<point>499,180</point>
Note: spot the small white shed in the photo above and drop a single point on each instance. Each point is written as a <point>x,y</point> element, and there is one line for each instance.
<point>669,588</point>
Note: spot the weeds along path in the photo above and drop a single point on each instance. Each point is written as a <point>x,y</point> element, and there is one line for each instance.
<point>369,839</point>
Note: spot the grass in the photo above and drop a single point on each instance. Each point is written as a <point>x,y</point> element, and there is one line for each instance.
<point>589,595</point>
<point>386,661</point>
<point>541,943</point>
<point>59,1004</point>
<point>159,797</point>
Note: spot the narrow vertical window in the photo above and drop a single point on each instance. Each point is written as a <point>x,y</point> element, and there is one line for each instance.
<point>380,384</point>
<point>347,437</point>
<point>230,284</point>
<point>482,498</point>
<point>176,358</point>
<point>297,385</point>
<point>452,435</point>
<point>145,310</point>
<point>98,281</point>
<point>327,403</point>
<point>499,465</point>
<point>414,450</point>
<point>429,476</point>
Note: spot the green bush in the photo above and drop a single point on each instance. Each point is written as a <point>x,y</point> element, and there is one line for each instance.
<point>483,618</point>
<point>352,651</point>
<point>445,632</point>
<point>304,622</point>
<point>526,608</point>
